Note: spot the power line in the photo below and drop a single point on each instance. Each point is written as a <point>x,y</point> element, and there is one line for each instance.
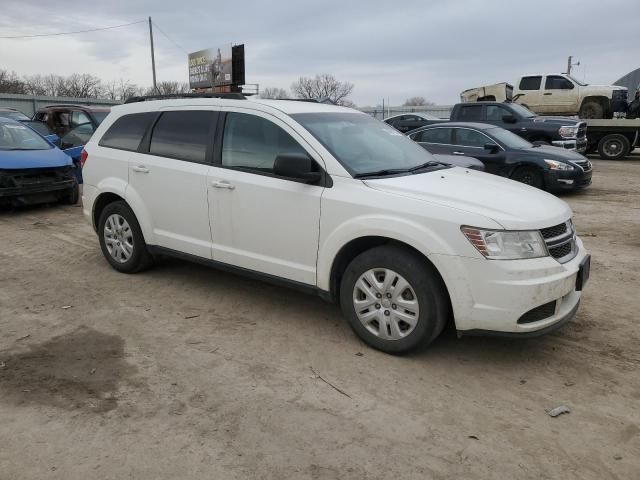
<point>72,33</point>
<point>169,38</point>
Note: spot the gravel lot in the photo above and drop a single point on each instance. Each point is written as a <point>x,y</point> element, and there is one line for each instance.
<point>184,372</point>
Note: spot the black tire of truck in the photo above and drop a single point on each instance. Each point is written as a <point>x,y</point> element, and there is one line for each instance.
<point>591,109</point>
<point>614,147</point>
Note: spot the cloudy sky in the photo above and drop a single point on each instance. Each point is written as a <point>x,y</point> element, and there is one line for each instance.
<point>391,50</point>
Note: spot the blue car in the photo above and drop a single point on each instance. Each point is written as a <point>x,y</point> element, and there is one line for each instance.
<point>32,169</point>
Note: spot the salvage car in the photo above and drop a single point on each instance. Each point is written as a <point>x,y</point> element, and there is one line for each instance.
<point>32,170</point>
<point>331,201</point>
<point>506,154</point>
<point>6,112</point>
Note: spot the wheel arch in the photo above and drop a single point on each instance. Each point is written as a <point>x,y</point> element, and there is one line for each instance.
<point>359,245</point>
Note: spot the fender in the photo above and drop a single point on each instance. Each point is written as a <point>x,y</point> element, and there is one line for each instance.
<point>400,229</point>
<point>121,188</point>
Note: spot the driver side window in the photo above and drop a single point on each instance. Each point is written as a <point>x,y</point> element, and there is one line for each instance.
<point>253,143</point>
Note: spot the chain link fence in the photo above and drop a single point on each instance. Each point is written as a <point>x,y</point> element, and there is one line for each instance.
<point>440,111</point>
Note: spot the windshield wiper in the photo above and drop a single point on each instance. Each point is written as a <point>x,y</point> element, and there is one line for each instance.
<point>380,173</point>
<point>430,163</point>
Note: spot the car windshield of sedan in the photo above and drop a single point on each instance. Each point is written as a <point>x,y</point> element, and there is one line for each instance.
<point>14,136</point>
<point>508,139</point>
<point>364,145</point>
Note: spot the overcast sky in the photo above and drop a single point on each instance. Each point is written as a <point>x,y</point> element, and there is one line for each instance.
<point>432,48</point>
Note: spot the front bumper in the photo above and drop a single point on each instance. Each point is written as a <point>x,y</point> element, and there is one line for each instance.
<point>577,144</point>
<point>29,182</point>
<point>494,295</point>
<point>572,180</point>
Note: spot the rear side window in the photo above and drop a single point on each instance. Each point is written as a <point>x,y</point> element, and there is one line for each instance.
<point>127,131</point>
<point>182,135</point>
<point>470,113</point>
<point>435,135</point>
<point>530,83</point>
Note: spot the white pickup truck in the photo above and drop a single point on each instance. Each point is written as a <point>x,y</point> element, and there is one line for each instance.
<point>555,94</point>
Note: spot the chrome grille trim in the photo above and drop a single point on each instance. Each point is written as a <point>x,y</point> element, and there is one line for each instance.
<point>557,244</point>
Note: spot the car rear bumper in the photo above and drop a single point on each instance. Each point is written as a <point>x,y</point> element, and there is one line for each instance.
<point>514,297</point>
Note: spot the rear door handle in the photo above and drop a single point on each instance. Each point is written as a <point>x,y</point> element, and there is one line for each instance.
<point>458,153</point>
<point>222,184</point>
<point>140,169</point>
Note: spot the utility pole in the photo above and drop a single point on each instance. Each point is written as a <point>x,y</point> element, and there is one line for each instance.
<point>570,64</point>
<point>153,58</point>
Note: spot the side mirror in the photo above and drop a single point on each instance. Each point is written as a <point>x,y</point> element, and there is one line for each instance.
<point>509,119</point>
<point>296,165</point>
<point>491,147</point>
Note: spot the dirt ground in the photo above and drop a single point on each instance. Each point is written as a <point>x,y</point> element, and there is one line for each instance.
<point>184,372</point>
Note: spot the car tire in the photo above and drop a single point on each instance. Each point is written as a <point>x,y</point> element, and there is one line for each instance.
<point>72,195</point>
<point>529,176</point>
<point>387,319</point>
<point>121,239</point>
<point>614,147</point>
<point>591,110</point>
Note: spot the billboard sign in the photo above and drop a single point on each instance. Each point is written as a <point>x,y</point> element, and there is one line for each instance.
<point>211,67</point>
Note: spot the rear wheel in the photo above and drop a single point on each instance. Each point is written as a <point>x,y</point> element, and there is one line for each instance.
<point>392,300</point>
<point>529,176</point>
<point>614,147</point>
<point>121,239</point>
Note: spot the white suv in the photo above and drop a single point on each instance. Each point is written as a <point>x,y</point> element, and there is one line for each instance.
<point>332,201</point>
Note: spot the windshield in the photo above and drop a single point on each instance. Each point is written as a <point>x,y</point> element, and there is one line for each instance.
<point>522,110</point>
<point>508,139</point>
<point>363,144</point>
<point>582,84</point>
<point>14,115</point>
<point>14,136</point>
<point>99,116</point>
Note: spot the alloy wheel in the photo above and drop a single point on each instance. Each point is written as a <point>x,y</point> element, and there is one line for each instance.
<point>118,238</point>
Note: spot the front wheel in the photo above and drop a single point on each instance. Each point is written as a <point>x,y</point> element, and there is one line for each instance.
<point>392,300</point>
<point>529,176</point>
<point>121,239</point>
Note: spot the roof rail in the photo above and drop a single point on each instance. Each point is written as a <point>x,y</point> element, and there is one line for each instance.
<point>146,98</point>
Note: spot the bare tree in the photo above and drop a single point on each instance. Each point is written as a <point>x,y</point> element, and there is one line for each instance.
<point>274,93</point>
<point>83,85</point>
<point>120,90</point>
<point>323,86</point>
<point>169,88</point>
<point>417,102</point>
<point>11,83</point>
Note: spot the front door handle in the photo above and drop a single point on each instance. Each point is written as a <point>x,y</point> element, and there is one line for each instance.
<point>548,93</point>
<point>140,169</point>
<point>222,184</point>
<point>458,153</point>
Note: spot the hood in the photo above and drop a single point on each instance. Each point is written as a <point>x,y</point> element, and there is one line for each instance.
<point>559,121</point>
<point>513,205</point>
<point>23,159</point>
<point>555,153</point>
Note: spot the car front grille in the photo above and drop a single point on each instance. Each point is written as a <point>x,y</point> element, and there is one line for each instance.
<point>538,313</point>
<point>585,164</point>
<point>582,131</point>
<point>561,241</point>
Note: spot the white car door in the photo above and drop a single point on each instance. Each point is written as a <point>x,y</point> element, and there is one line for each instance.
<point>559,95</point>
<point>170,181</point>
<point>259,221</point>
<point>529,92</point>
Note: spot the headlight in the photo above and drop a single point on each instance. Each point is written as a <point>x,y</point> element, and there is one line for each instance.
<point>506,245</point>
<point>555,165</point>
<point>568,132</point>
